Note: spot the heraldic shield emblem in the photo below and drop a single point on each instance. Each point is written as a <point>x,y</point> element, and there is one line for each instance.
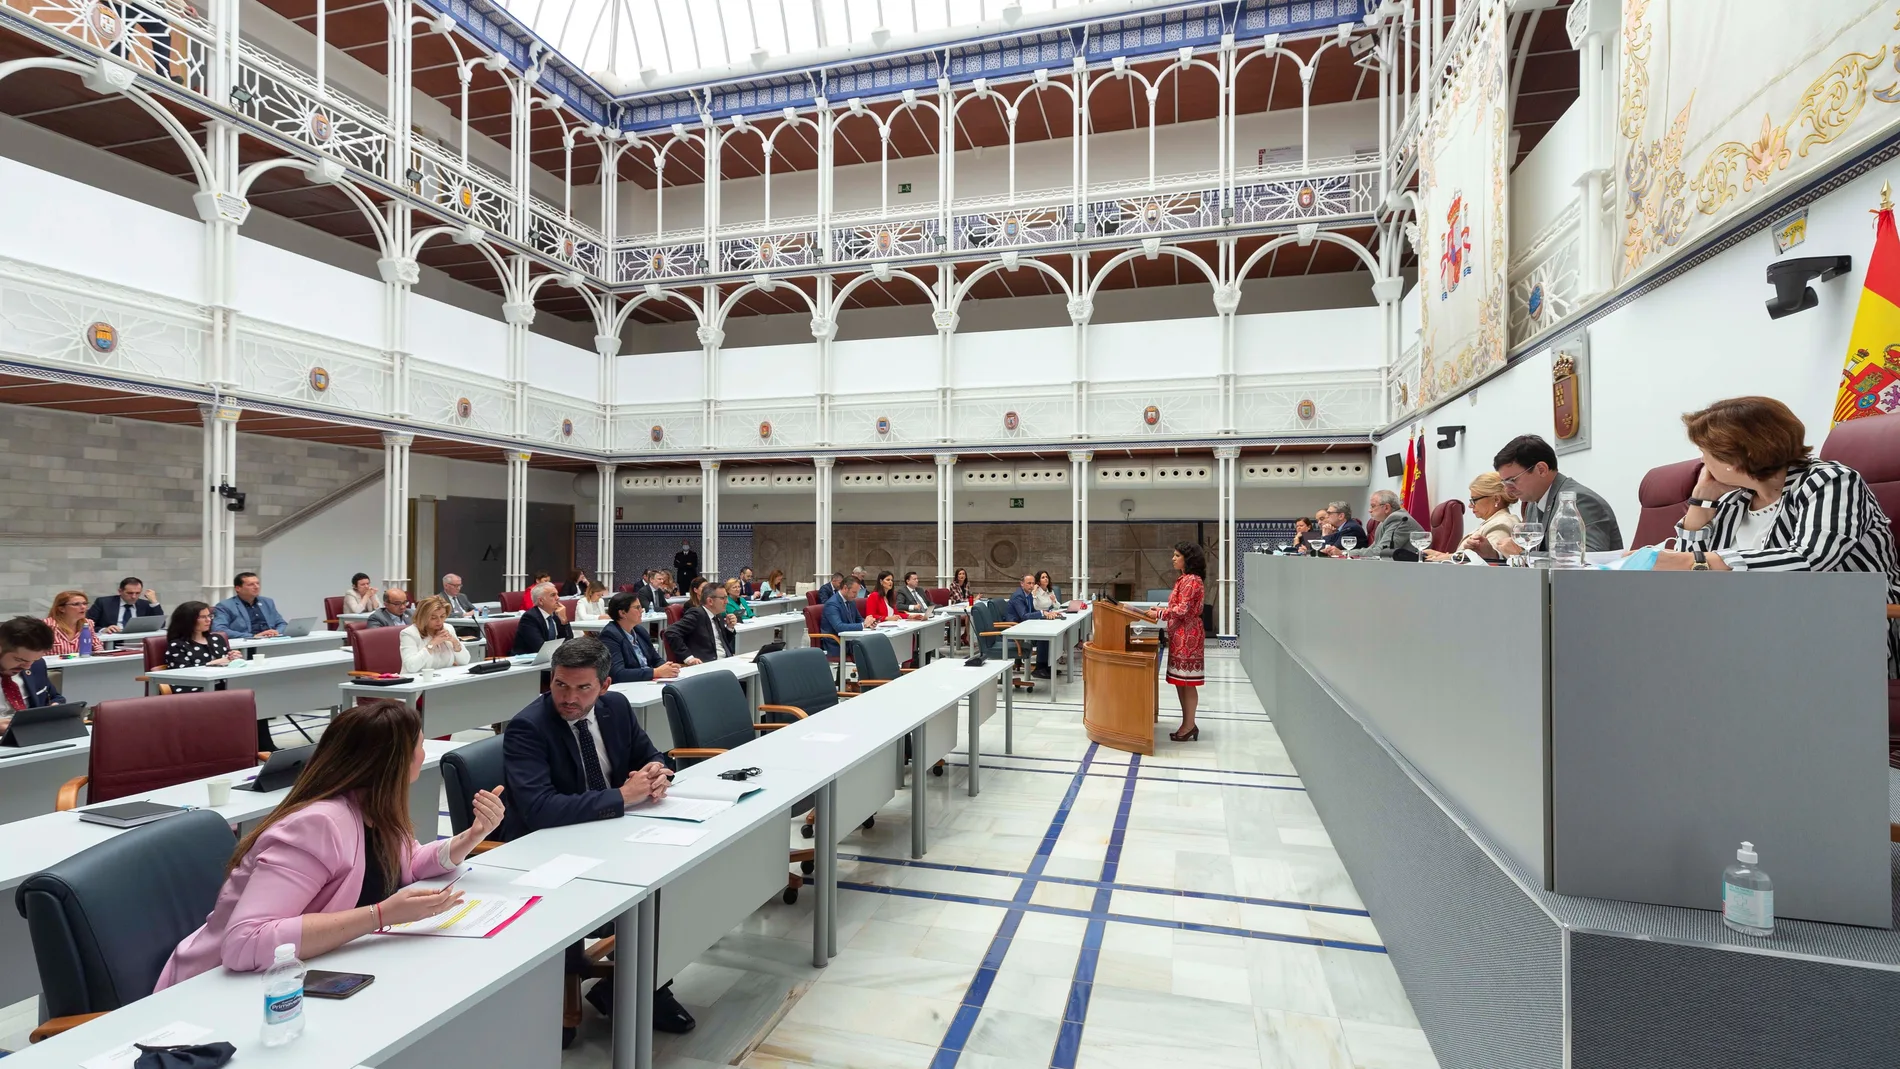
<point>102,337</point>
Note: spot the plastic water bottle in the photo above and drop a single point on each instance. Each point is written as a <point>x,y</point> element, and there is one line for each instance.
<point>1566,533</point>
<point>1748,896</point>
<point>283,998</point>
<point>85,639</point>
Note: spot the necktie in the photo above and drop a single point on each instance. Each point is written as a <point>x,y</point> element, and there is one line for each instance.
<point>16,699</point>
<point>590,760</point>
<point>125,613</point>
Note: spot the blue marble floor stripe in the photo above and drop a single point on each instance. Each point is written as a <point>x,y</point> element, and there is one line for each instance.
<point>1146,779</point>
<point>1078,881</point>
<point>951,1049</point>
<point>1075,1010</point>
<point>1150,766</point>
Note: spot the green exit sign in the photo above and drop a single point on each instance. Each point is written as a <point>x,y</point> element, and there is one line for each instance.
<point>903,187</point>
<point>1015,502</point>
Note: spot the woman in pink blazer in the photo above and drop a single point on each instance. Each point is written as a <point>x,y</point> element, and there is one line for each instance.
<point>334,860</point>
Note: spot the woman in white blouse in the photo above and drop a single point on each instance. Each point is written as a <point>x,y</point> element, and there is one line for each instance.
<point>429,642</point>
<point>593,602</point>
<point>362,595</point>
<point>1492,506</point>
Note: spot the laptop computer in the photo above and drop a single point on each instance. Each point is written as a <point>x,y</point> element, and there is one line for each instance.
<point>299,627</point>
<point>139,624</point>
<point>46,724</point>
<point>280,771</point>
<point>546,653</point>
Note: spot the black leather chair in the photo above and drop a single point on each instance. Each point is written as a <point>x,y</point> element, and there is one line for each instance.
<point>104,921</point>
<point>877,665</point>
<point>709,714</point>
<point>986,618</point>
<point>799,683</point>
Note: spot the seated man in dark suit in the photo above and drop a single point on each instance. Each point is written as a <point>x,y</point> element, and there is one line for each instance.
<point>1396,528</point>
<point>110,614</point>
<point>704,631</point>
<point>830,590</point>
<point>841,612</point>
<point>23,681</point>
<point>1339,514</point>
<point>543,621</point>
<point>459,603</point>
<point>631,653</point>
<point>1021,607</point>
<point>576,754</point>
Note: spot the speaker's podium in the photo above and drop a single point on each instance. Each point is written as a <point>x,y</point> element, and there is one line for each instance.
<point>1121,688</point>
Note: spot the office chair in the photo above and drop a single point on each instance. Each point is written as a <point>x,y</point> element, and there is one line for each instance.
<point>709,714</point>
<point>105,921</point>
<point>142,744</point>
<point>799,683</point>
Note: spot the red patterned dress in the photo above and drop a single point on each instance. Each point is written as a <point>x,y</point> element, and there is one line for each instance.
<point>1187,640</point>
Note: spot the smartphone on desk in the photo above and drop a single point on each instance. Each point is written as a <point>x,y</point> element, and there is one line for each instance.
<point>318,983</point>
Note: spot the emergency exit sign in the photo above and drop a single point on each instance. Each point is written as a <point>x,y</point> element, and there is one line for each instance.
<point>903,187</point>
<point>1015,502</point>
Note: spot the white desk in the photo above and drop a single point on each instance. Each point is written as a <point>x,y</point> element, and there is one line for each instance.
<point>37,843</point>
<point>30,781</point>
<point>436,1002</point>
<point>1064,635</point>
<point>314,641</point>
<point>99,678</point>
<point>351,618</point>
<point>772,606</point>
<point>907,636</point>
<point>760,630</point>
<point>456,700</point>
<point>283,685</point>
<point>648,619</point>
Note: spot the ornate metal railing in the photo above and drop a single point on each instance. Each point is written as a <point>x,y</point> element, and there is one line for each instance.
<point>464,188</point>
<point>553,232</point>
<point>1546,279</point>
<point>168,40</point>
<point>278,95</point>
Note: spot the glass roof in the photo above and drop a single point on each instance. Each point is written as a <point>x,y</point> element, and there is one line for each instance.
<point>631,45</point>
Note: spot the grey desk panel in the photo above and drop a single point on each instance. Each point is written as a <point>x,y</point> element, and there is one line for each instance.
<point>1691,712</point>
<point>1444,661</point>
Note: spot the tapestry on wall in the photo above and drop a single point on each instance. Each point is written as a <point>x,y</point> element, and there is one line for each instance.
<point>1717,115</point>
<point>1463,168</point>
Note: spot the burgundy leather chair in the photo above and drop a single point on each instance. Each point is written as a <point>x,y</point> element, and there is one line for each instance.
<point>937,595</point>
<point>673,613</point>
<point>511,601</point>
<point>1448,525</point>
<point>332,608</point>
<point>1871,446</point>
<point>1664,496</point>
<point>811,596</point>
<point>351,628</point>
<point>142,744</point>
<point>568,607</point>
<point>378,650</point>
<point>1372,531</point>
<point>499,636</point>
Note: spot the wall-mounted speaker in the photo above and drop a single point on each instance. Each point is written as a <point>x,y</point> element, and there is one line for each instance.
<point>1394,465</point>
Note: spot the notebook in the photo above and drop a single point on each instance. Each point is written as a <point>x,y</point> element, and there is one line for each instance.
<point>697,799</point>
<point>129,814</point>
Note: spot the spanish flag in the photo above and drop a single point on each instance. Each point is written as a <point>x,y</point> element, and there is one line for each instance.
<point>1412,494</point>
<point>1870,383</point>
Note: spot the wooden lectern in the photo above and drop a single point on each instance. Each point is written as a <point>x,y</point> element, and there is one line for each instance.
<point>1120,686</point>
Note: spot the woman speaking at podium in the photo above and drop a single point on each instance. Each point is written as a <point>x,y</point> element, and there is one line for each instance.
<point>1187,637</point>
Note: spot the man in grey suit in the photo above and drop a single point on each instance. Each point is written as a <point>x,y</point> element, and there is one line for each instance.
<point>459,605</point>
<point>1528,465</point>
<point>1396,527</point>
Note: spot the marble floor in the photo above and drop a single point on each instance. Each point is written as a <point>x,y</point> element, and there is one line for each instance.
<point>1088,910</point>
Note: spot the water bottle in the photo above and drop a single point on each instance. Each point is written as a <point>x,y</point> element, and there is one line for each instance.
<point>1566,533</point>
<point>1748,896</point>
<point>85,639</point>
<point>283,998</point>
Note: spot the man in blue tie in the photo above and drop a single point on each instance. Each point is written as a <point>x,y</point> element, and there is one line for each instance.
<point>247,613</point>
<point>841,613</point>
<point>630,651</point>
<point>1022,606</point>
<point>111,613</point>
<point>575,754</point>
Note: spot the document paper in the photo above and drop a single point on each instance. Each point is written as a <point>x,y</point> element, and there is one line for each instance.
<point>555,872</point>
<point>666,835</point>
<point>475,918</point>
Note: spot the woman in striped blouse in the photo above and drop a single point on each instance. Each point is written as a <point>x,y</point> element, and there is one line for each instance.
<point>1763,504</point>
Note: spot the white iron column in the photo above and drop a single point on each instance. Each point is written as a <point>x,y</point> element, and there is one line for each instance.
<point>604,526</point>
<point>396,509</point>
<point>1080,309</point>
<point>821,531</point>
<point>220,523</point>
<point>1226,470</point>
<point>1079,522</point>
<point>709,518</point>
<point>1226,303</point>
<point>1590,31</point>
<point>710,339</point>
<point>515,543</point>
<point>519,315</point>
<point>946,518</point>
<point>823,329</point>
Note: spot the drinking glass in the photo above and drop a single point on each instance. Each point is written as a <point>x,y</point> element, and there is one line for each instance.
<point>1285,545</point>
<point>1349,543</point>
<point>1421,541</point>
<point>1528,535</point>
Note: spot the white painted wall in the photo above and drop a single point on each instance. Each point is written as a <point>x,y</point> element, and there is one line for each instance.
<point>1337,130</point>
<point>563,368</point>
<point>885,365</point>
<point>62,223</point>
<point>1702,337</point>
<point>1544,184</point>
<point>444,334</point>
<point>660,378</point>
<point>1323,339</point>
<point>755,371</point>
<point>996,358</point>
<point>1170,349</point>
<point>278,286</point>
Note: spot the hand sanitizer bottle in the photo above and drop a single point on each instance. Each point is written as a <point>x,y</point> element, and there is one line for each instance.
<point>283,998</point>
<point>1748,897</point>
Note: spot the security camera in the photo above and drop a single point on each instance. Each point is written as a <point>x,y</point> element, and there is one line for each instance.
<point>1790,279</point>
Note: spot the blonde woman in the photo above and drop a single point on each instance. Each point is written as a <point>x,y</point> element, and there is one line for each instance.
<point>430,642</point>
<point>735,604</point>
<point>68,620</point>
<point>1490,501</point>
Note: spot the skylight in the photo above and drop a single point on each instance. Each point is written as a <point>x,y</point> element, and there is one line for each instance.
<point>634,45</point>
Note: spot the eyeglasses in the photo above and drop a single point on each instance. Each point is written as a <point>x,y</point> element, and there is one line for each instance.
<point>1511,480</point>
